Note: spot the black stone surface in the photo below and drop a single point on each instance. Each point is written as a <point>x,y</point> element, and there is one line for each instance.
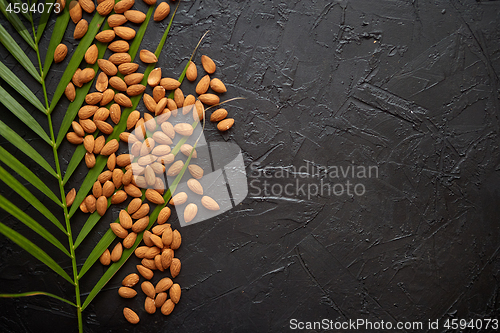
<point>411,87</point>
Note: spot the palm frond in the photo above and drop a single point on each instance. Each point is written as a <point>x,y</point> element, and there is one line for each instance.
<point>44,19</point>
<point>17,24</point>
<point>55,39</point>
<point>37,293</point>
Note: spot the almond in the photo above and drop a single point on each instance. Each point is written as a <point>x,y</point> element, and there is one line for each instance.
<point>186,150</point>
<point>148,289</point>
<point>158,263</point>
<point>123,5</point>
<point>156,240</point>
<point>203,84</point>
<point>127,292</point>
<point>140,224</point>
<point>195,186</point>
<point>154,197</point>
<point>218,115</point>
<point>105,7</point>
<point>160,299</point>
<point>150,2</point>
<point>159,229</point>
<point>70,92</point>
<point>76,78</point>
<point>208,64</point>
<point>93,98</point>
<point>60,53</point>
<point>130,280</point>
<point>118,230</point>
<point>168,129</point>
<point>119,197</point>
<point>87,111</point>
<point>140,213</point>
<point>191,72</point>
<point>149,102</point>
<point>123,160</point>
<point>162,11</point>
<point>123,100</point>
<point>86,75</point>
<point>111,163</point>
<point>154,77</point>
<point>217,86</point>
<point>87,5</point>
<point>125,219</point>
<point>107,67</point>
<point>90,161</point>
<point>135,16</point>
<point>225,124</point>
<point>88,143</point>
<point>175,290</point>
<point>128,68</point>
<point>163,215</point>
<point>141,251</point>
<point>195,171</point>
<point>167,235</point>
<point>104,176</point>
<point>163,116</point>
<point>149,305</point>
<point>110,147</point>
<point>115,113</point>
<point>117,83</point>
<point>149,263</point>
<point>119,46</point>
<point>133,190</point>
<point>70,197</point>
<point>78,128</point>
<point>116,20</point>
<point>108,189</point>
<point>129,314</point>
<point>209,203</point>
<point>167,257</point>
<point>107,96</point>
<point>152,252</point>
<point>145,272</point>
<point>175,268</point>
<point>83,208</point>
<point>105,258</point>
<point>209,99</point>
<point>125,33</point>
<point>150,122</point>
<point>75,11</point>
<point>90,202</point>
<point>101,82</point>
<point>179,97</point>
<point>160,106</point>
<point>147,57</point>
<point>105,36</point>
<point>135,89</point>
<point>184,129</point>
<point>190,212</point>
<point>175,169</point>
<point>134,205</point>
<point>91,54</point>
<point>134,78</point>
<point>81,29</point>
<point>161,150</point>
<point>117,177</point>
<point>102,205</point>
<point>88,125</point>
<point>129,241</point>
<point>167,307</point>
<point>169,84</point>
<point>132,119</point>
<point>178,199</point>
<point>120,58</point>
<point>147,238</point>
<point>104,126</point>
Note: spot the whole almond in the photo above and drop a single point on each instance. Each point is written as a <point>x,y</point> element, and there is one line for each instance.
<point>102,205</point>
<point>195,186</point>
<point>149,263</point>
<point>217,86</point>
<point>133,118</point>
<point>167,307</point>
<point>107,96</point>
<point>87,5</point>
<point>178,199</point>
<point>105,7</point>
<point>195,171</point>
<point>78,128</point>
<point>104,126</point>
<point>127,176</point>
<point>128,68</point>
<point>141,251</point>
<point>147,57</point>
<point>119,46</point>
<point>108,189</point>
<point>110,147</point>
<point>168,129</point>
<point>184,129</point>
<point>147,238</point>
<point>70,92</point>
<point>134,205</point>
<point>169,84</point>
<point>88,125</point>
<point>129,241</point>
<point>179,97</point>
<point>88,143</point>
<point>115,113</point>
<point>176,240</point>
<point>81,29</point>
<point>104,176</point>
<point>129,314</point>
<point>148,289</point>
<point>159,229</point>
<point>167,236</point>
<point>225,124</point>
<point>160,106</point>
<point>135,16</point>
<point>134,78</point>
<point>97,189</point>
<point>125,219</point>
<point>117,177</point>
<point>105,258</point>
<point>218,115</point>
<point>186,149</point>
<point>123,160</point>
<point>203,85</point>
<point>154,197</point>
<point>209,203</point>
<point>150,2</point>
<point>158,263</point>
<point>189,102</point>
<point>190,212</point>
<point>91,54</point>
<point>60,53</point>
<point>209,99</point>
<point>116,20</point>
<point>93,98</point>
<point>160,299</point>
<point>123,5</point>
<point>90,161</point>
<point>140,224</point>
<point>117,252</point>
<point>166,258</point>
<point>162,11</point>
<point>208,64</point>
<point>83,208</point>
<point>135,89</point>
<point>75,11</point>
<point>175,169</point>
<point>127,292</point>
<point>164,215</point>
<point>191,72</point>
<point>86,75</point>
<point>123,100</point>
<point>120,58</point>
<point>118,230</point>
<point>105,36</point>
<point>163,285</point>
<point>111,162</point>
<point>145,272</point>
<point>149,102</point>
<point>154,77</point>
<point>76,78</point>
<point>152,252</point>
<point>175,290</point>
<point>149,305</point>
<point>125,33</point>
<point>99,143</point>
<point>156,240</point>
<point>101,82</point>
<point>107,67</point>
<point>130,280</point>
<point>117,83</point>
<point>141,212</point>
<point>149,122</point>
<point>70,197</point>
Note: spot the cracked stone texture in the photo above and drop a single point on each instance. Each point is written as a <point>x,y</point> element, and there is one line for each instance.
<point>411,87</point>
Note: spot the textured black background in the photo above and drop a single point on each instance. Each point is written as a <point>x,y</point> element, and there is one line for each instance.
<point>409,86</point>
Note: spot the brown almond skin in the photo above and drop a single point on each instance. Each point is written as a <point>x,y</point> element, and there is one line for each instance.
<point>104,176</point>
<point>87,5</point>
<point>141,251</point>
<point>167,307</point>
<point>135,89</point>
<point>125,33</point>
<point>70,197</point>
<point>135,16</point>
<point>90,202</point>
<point>99,144</point>
<point>191,72</point>
<point>117,83</point>
<point>123,100</point>
<point>149,305</point>
<point>134,205</point>
<point>88,125</point>
<point>102,205</point>
<point>107,96</point>
<point>74,138</point>
<point>105,258</point>
<point>108,189</point>
<point>176,240</point>
<point>105,7</point>
<point>140,224</point>
<point>167,257</point>
<point>208,64</point>
<point>119,46</point>
<point>127,292</point>
<point>78,128</point>
<point>128,68</point>
<point>152,252</point>
<point>145,272</point>
<point>130,280</point>
<point>203,85</point>
<point>111,163</point>
<point>129,241</point>
<point>161,11</point>
<point>160,299</point>
<point>107,67</point>
<point>209,99</point>
<point>169,83</point>
<point>115,113</point>
<point>130,315</point>
<point>120,58</point>
<point>158,263</point>
<point>148,289</point>
<point>91,54</point>
<point>75,11</point>
<point>225,124</point>
<point>118,230</point>
<point>81,29</point>
<point>123,5</point>
<point>125,219</point>
<point>134,78</point>
<point>60,53</point>
<point>116,254</point>
<point>101,82</point>
<point>167,236</point>
<point>70,92</point>
<point>105,36</point>
<point>175,293</point>
<point>116,20</point>
<point>175,267</point>
<point>163,285</point>
<point>218,115</point>
<point>149,263</point>
<point>217,86</point>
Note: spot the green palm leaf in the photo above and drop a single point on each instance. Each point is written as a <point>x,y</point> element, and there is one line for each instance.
<point>36,293</point>
<point>17,24</point>
<point>34,250</point>
<point>56,38</point>
<point>44,19</point>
